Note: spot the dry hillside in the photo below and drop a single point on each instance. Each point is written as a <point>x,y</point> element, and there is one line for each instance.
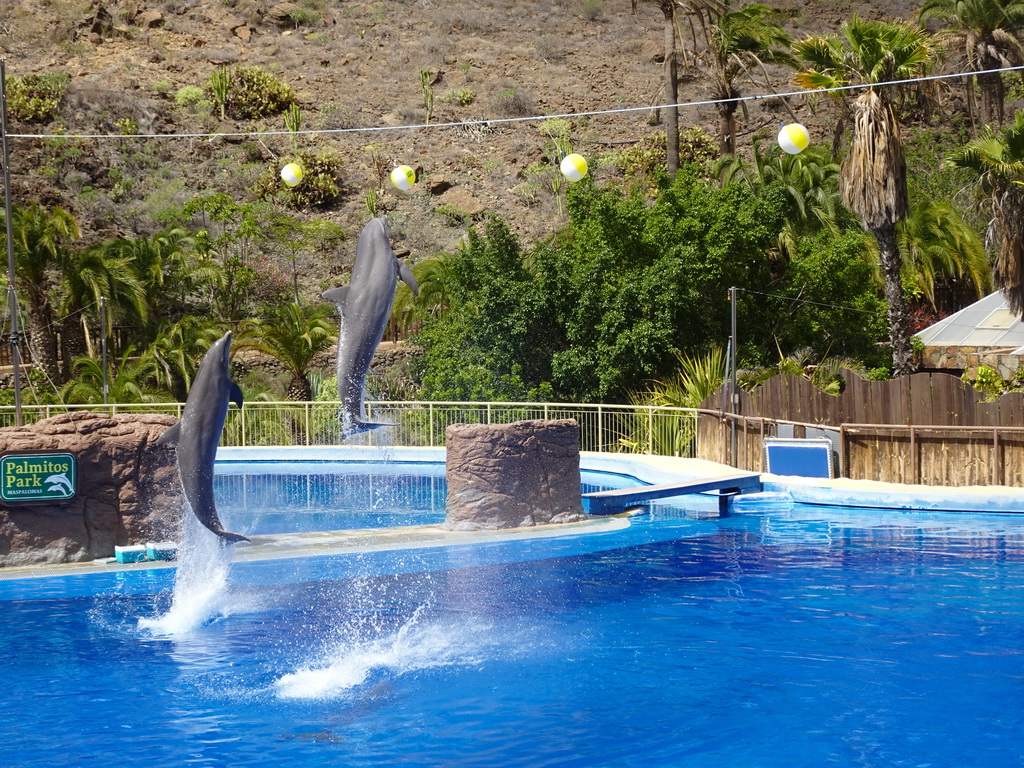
<point>355,67</point>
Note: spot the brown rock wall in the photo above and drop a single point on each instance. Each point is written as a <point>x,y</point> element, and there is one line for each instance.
<point>128,489</point>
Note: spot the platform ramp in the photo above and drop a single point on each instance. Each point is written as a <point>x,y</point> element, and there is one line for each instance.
<point>619,499</point>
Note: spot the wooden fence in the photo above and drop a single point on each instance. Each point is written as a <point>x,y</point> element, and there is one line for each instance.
<point>926,428</point>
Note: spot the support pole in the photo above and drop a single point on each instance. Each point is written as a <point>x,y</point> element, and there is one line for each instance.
<point>12,298</point>
<point>103,346</point>
<point>734,395</point>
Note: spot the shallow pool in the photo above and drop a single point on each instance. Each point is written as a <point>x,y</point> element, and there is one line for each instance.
<point>780,636</point>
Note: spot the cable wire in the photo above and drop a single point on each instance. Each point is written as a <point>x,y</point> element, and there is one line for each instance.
<point>510,120</point>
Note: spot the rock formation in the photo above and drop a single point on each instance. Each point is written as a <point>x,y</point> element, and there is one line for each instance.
<point>128,489</point>
<point>513,475</point>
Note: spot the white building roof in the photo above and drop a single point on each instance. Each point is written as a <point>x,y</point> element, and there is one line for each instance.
<point>985,323</point>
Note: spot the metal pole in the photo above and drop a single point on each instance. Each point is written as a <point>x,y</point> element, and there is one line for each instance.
<point>103,347</point>
<point>12,298</point>
<point>734,395</point>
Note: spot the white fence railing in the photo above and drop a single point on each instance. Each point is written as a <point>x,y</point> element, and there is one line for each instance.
<point>605,428</point>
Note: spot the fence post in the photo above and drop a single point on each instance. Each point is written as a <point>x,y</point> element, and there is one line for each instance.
<point>430,417</point>
<point>650,430</point>
<point>488,413</point>
<point>600,428</point>
<point>997,459</point>
<point>308,424</point>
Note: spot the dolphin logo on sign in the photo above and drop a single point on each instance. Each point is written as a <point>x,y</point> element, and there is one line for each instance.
<point>60,483</point>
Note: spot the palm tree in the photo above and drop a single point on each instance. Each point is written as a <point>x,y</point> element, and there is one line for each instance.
<point>87,275</point>
<point>810,180</point>
<point>873,175</point>
<point>40,238</point>
<point>737,41</point>
<point>998,161</point>
<point>670,9</point>
<point>981,35</point>
<point>294,337</point>
<point>132,381</point>
<point>938,245</point>
<point>178,348</point>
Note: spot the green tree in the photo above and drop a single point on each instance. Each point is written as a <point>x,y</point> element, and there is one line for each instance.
<point>831,305</point>
<point>632,284</point>
<point>997,160</point>
<point>41,239</point>
<point>873,175</point>
<point>981,35</point>
<point>496,338</point>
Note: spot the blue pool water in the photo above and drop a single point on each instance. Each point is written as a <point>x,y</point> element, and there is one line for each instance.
<point>778,637</point>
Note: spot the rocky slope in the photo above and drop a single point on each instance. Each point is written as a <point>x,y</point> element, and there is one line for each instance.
<point>356,69</point>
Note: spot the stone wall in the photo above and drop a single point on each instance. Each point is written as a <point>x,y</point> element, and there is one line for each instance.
<point>969,358</point>
<point>128,489</point>
<point>513,475</point>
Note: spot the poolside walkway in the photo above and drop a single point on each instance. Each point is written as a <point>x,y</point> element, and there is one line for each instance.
<point>322,543</point>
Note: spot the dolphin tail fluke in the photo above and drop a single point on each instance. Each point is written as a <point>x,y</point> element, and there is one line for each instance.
<point>231,538</point>
<point>357,426</point>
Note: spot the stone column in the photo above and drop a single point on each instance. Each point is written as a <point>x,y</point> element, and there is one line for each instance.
<point>513,475</point>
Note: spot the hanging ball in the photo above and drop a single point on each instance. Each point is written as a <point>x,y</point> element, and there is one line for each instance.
<point>574,167</point>
<point>794,138</point>
<point>291,174</point>
<point>403,177</point>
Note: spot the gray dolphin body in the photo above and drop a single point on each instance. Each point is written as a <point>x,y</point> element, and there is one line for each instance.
<point>198,433</point>
<point>365,305</point>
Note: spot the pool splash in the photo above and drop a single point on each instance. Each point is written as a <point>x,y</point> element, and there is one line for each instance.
<point>352,664</point>
<point>201,589</point>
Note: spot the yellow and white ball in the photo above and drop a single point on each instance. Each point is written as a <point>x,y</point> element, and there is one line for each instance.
<point>574,167</point>
<point>794,138</point>
<point>403,177</point>
<point>291,174</point>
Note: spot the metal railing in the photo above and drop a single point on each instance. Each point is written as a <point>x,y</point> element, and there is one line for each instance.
<point>603,428</point>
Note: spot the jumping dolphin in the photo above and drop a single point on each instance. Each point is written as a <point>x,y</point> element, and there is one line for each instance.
<point>198,433</point>
<point>365,305</point>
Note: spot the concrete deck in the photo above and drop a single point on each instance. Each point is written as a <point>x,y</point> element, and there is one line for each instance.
<point>322,543</point>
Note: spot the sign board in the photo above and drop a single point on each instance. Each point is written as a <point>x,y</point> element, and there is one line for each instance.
<point>27,476</point>
<point>803,457</point>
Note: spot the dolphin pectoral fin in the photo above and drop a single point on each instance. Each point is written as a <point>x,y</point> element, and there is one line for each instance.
<point>336,295</point>
<point>405,272</point>
<point>236,394</point>
<point>170,437</point>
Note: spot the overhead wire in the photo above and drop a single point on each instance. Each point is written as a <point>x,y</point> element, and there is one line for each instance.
<point>522,119</point>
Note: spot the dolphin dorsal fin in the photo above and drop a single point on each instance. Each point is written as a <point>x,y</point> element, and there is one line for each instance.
<point>236,394</point>
<point>337,295</point>
<point>170,437</point>
<point>408,277</point>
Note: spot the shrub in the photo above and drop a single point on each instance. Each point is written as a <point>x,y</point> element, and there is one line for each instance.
<point>461,96</point>
<point>36,98</point>
<point>514,103</point>
<point>321,183</point>
<point>188,95</point>
<point>254,93</point>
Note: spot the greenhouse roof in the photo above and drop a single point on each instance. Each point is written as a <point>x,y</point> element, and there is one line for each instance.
<point>985,323</point>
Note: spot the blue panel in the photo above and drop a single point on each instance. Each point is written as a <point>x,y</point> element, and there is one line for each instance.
<point>803,458</point>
